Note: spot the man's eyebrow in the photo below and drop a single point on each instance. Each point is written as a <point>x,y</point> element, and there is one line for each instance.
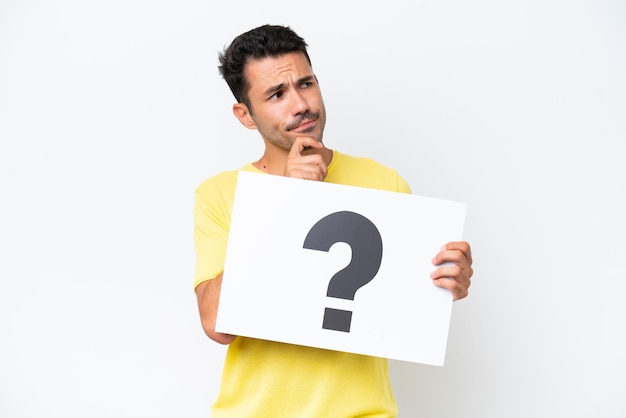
<point>274,89</point>
<point>270,91</point>
<point>305,79</point>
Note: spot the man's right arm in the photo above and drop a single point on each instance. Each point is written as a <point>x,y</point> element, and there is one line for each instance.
<point>208,294</point>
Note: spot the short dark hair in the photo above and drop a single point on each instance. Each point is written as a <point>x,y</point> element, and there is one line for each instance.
<point>261,42</point>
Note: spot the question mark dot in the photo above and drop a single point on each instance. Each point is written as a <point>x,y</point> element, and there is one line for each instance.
<point>337,319</point>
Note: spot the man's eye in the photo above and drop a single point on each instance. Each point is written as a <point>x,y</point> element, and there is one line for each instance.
<point>306,84</point>
<point>276,95</point>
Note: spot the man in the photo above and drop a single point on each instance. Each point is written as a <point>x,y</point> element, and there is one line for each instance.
<point>269,72</point>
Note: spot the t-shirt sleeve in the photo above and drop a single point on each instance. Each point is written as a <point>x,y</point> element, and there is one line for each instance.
<point>211,227</point>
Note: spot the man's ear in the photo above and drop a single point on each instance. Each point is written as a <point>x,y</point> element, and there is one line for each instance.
<point>242,113</point>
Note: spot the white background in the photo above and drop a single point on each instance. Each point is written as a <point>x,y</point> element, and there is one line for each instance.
<point>112,112</point>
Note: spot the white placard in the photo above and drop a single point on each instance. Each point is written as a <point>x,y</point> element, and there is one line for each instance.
<point>281,260</point>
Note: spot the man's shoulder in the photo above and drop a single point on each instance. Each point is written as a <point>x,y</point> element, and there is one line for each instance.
<point>364,172</point>
<point>217,181</point>
<point>222,182</point>
<point>347,159</point>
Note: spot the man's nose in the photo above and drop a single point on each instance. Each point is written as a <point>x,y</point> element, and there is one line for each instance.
<point>298,103</point>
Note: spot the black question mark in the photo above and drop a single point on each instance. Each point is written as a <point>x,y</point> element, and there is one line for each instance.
<point>367,251</point>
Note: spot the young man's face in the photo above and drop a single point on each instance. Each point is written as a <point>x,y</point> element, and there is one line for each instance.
<point>285,99</point>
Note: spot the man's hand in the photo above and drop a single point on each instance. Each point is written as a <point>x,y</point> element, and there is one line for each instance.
<point>457,271</point>
<point>304,162</point>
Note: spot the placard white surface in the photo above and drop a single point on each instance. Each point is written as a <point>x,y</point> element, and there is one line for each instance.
<point>276,289</point>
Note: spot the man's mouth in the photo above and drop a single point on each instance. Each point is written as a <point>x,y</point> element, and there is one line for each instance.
<point>303,121</point>
<point>304,125</point>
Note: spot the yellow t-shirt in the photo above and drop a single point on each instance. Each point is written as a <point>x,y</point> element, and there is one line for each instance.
<point>270,379</point>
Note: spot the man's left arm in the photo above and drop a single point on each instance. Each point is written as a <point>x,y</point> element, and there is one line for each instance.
<point>455,268</point>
